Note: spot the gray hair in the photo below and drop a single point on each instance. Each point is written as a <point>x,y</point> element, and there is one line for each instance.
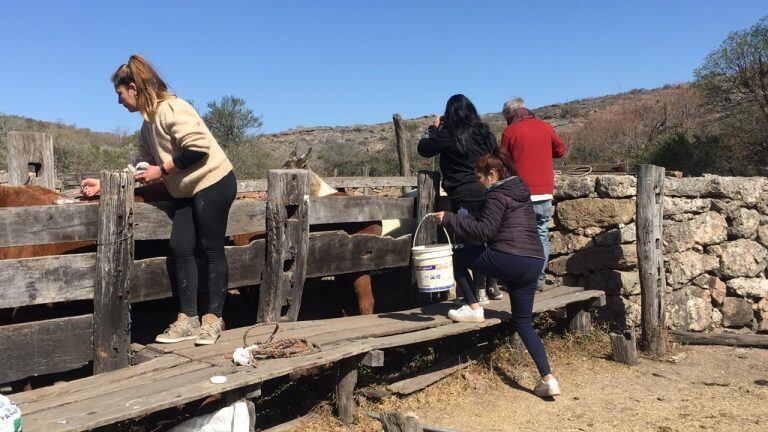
<point>511,105</point>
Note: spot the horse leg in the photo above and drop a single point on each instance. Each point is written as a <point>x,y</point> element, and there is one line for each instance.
<point>364,292</point>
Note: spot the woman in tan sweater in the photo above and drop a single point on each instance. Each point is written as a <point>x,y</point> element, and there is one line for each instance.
<point>183,154</point>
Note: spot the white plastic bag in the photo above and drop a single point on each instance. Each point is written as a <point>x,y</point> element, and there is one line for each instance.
<point>234,418</point>
<point>10,416</point>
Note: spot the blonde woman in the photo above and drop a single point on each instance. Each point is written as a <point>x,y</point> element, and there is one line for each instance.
<point>182,153</point>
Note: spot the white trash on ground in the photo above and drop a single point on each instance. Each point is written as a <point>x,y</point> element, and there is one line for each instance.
<point>234,418</point>
<point>10,416</point>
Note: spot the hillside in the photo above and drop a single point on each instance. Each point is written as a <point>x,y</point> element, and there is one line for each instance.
<point>362,141</point>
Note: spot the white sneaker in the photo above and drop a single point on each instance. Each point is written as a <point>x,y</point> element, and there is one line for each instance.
<point>482,296</point>
<point>547,388</point>
<point>467,314</point>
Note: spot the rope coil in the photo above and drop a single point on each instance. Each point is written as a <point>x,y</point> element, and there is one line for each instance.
<point>271,348</point>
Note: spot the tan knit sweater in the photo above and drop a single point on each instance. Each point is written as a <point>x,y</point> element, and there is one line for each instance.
<point>177,126</point>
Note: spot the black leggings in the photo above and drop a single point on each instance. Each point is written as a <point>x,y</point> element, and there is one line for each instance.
<point>479,281</point>
<point>202,220</point>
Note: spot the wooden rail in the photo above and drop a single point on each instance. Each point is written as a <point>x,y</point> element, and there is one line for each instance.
<point>34,281</point>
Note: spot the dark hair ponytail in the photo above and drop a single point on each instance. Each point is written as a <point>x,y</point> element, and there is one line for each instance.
<point>498,160</point>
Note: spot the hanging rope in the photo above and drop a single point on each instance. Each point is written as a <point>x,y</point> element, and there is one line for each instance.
<point>272,348</point>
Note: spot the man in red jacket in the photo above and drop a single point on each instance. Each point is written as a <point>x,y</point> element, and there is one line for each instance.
<point>533,143</point>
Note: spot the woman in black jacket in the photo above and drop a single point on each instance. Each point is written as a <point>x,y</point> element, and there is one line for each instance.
<point>514,254</point>
<point>460,137</point>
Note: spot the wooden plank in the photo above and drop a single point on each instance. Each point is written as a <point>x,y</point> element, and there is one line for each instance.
<point>153,221</point>
<point>107,388</point>
<point>20,226</point>
<point>52,393</point>
<point>30,281</point>
<point>373,358</point>
<point>294,424</point>
<point>30,152</point>
<point>287,244</point>
<point>337,252</point>
<point>342,209</point>
<point>728,339</point>
<point>44,347</point>
<point>151,280</point>
<point>558,291</point>
<point>260,185</point>
<point>401,141</point>
<point>427,378</point>
<point>429,190</point>
<point>650,258</point>
<point>114,265</point>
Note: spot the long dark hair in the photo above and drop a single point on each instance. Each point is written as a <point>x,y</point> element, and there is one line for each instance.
<point>498,160</point>
<point>461,118</point>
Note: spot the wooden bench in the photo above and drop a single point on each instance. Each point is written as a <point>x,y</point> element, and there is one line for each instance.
<point>181,372</point>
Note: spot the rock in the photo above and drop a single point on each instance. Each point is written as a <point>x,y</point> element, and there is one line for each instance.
<point>762,235</point>
<point>737,312</point>
<point>716,287</point>
<point>682,267</point>
<point>568,186</point>
<point>743,223</point>
<point>677,206</point>
<point>624,312</point>
<point>595,212</point>
<point>682,217</point>
<point>748,287</point>
<point>560,243</point>
<point>475,381</point>
<point>616,186</point>
<point>689,309</point>
<point>705,229</point>
<point>626,283</point>
<point>620,257</point>
<point>588,231</point>
<point>717,317</point>
<point>746,189</point>
<point>625,234</point>
<point>741,257</point>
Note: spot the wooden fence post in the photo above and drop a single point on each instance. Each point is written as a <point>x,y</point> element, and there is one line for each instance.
<point>30,152</point>
<point>346,379</point>
<point>428,183</point>
<point>402,149</point>
<point>114,262</point>
<point>287,223</point>
<point>650,259</point>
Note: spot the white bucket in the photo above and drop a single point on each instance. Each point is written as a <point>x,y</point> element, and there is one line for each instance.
<point>433,264</point>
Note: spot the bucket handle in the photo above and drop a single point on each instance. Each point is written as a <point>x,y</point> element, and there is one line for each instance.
<point>413,244</point>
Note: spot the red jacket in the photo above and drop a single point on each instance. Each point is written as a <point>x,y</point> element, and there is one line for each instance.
<point>533,143</point>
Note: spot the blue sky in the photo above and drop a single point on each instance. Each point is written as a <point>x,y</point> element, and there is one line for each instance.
<point>309,63</point>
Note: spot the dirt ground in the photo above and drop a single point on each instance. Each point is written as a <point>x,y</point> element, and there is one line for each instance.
<point>696,388</point>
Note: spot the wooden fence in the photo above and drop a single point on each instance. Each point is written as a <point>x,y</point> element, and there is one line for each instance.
<point>110,276</point>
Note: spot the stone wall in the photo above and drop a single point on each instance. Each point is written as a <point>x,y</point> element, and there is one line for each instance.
<point>715,238</point>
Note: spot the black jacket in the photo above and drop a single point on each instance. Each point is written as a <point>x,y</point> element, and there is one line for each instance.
<point>506,223</point>
<point>458,169</point>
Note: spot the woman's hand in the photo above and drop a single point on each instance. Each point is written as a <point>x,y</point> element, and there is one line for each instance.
<point>439,216</point>
<point>438,120</point>
<point>90,187</point>
<point>151,175</point>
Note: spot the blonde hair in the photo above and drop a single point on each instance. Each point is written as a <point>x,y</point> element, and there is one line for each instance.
<point>150,88</point>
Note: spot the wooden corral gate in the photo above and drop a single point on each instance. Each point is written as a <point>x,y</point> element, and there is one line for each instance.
<point>56,345</point>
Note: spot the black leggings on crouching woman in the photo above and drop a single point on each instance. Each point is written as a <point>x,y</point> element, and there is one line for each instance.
<point>202,220</point>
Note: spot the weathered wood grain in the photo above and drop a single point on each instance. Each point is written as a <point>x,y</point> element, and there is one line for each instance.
<point>44,347</point>
<point>624,347</point>
<point>21,226</point>
<point>260,185</point>
<point>114,265</point>
<point>337,252</point>
<point>728,339</point>
<point>30,152</point>
<point>30,281</point>
<point>153,221</point>
<point>650,258</point>
<point>342,209</point>
<point>287,243</point>
<point>401,141</point>
<point>346,379</point>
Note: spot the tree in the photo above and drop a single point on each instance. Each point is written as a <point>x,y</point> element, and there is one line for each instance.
<point>735,79</point>
<point>230,121</point>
